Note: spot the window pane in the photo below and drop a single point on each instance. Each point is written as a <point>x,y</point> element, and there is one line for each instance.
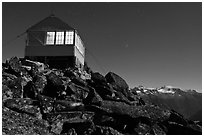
<point>69,37</point>
<point>50,38</point>
<point>60,38</point>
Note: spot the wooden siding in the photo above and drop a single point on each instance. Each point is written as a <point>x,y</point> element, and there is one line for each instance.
<point>49,50</point>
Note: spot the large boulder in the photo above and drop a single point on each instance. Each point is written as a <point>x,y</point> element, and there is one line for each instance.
<point>103,91</point>
<point>109,121</point>
<point>23,105</point>
<point>14,66</point>
<point>76,91</point>
<point>62,122</point>
<point>34,66</point>
<point>54,85</point>
<point>64,105</point>
<point>29,90</point>
<point>79,81</point>
<point>82,126</point>
<point>93,98</point>
<point>70,89</point>
<point>118,83</point>
<point>98,79</point>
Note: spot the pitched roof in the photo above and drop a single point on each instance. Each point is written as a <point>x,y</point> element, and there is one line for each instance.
<point>50,23</point>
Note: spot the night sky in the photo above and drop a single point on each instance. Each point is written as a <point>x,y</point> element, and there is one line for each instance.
<point>149,44</point>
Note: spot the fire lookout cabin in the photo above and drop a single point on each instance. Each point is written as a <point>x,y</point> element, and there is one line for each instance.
<point>55,43</point>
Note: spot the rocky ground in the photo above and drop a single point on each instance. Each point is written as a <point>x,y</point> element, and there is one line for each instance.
<point>41,100</point>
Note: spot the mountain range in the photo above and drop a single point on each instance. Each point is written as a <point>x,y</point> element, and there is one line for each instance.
<point>186,102</point>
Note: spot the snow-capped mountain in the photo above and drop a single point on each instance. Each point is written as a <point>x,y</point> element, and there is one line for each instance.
<point>186,102</point>
<point>164,89</point>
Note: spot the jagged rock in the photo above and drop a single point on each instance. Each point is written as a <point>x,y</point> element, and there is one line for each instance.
<point>79,81</point>
<point>22,105</point>
<point>122,97</point>
<point>63,105</point>
<point>72,104</point>
<point>178,129</point>
<point>118,83</point>
<point>141,129</point>
<point>157,130</point>
<point>54,85</point>
<point>71,131</point>
<point>29,90</point>
<point>101,130</point>
<point>16,87</point>
<point>82,92</point>
<point>195,126</point>
<point>103,91</point>
<point>198,123</point>
<point>71,89</point>
<point>81,126</point>
<point>109,121</point>
<point>6,93</point>
<point>8,76</point>
<point>77,91</point>
<point>54,79</point>
<point>61,123</point>
<point>46,104</point>
<point>93,97</point>
<point>14,66</point>
<point>141,101</point>
<point>124,117</point>
<point>71,73</point>
<point>132,112</point>
<point>178,118</point>
<point>40,82</point>
<point>16,84</point>
<point>98,79</point>
<point>38,65</point>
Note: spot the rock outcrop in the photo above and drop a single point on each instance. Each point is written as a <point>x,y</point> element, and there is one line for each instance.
<point>41,100</point>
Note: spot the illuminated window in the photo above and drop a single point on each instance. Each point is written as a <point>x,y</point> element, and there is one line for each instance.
<point>59,38</point>
<point>50,38</point>
<point>69,37</point>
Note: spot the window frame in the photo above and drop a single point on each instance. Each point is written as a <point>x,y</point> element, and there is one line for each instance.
<point>58,38</point>
<point>46,38</point>
<point>67,36</point>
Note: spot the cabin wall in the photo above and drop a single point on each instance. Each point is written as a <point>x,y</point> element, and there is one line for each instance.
<point>36,38</point>
<point>49,50</point>
<point>57,56</point>
<point>79,56</point>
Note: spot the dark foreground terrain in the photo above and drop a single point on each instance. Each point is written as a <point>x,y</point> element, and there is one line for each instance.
<point>40,100</point>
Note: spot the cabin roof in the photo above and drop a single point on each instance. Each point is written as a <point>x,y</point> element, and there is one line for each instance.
<point>50,23</point>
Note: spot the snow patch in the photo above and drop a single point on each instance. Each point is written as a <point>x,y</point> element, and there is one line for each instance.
<point>166,91</point>
<point>138,91</point>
